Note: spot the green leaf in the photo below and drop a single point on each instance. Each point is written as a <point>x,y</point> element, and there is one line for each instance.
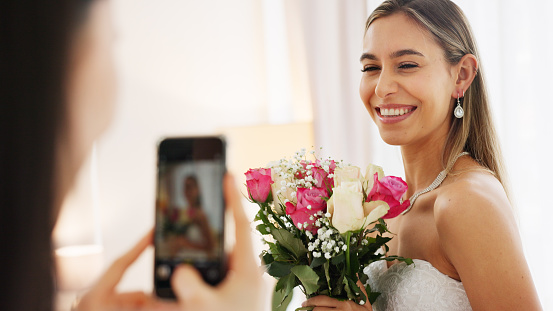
<point>307,277</point>
<point>353,264</point>
<point>337,291</point>
<point>326,267</point>
<point>263,229</point>
<point>318,261</point>
<point>290,242</point>
<point>278,269</point>
<point>285,285</point>
<point>267,258</point>
<point>338,259</point>
<point>281,302</point>
<point>280,253</point>
<point>349,292</point>
<point>373,296</point>
<point>363,278</point>
<point>355,288</point>
<point>258,215</point>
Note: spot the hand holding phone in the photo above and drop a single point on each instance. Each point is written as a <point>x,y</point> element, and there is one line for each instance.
<point>243,288</point>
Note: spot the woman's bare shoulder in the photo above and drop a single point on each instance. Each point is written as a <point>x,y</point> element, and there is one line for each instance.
<point>472,206</point>
<point>472,192</point>
<point>479,236</point>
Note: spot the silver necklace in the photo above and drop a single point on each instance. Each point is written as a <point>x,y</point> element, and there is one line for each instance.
<point>435,184</point>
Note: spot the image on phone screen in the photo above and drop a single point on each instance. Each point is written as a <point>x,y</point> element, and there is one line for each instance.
<point>189,210</point>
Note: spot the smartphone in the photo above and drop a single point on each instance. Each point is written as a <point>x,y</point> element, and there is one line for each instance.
<point>190,209</point>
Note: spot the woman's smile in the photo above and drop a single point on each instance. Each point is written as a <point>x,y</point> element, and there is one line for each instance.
<point>394,113</point>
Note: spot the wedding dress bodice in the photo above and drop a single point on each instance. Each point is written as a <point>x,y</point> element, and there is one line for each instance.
<point>418,286</point>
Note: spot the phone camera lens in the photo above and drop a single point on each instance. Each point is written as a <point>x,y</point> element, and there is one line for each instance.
<point>163,272</point>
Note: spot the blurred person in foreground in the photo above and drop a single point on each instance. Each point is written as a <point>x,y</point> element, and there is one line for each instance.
<point>57,93</point>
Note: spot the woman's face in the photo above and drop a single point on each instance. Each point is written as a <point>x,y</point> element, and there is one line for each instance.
<point>191,191</point>
<point>406,84</point>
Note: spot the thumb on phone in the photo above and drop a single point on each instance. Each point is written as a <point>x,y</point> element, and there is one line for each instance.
<point>189,286</point>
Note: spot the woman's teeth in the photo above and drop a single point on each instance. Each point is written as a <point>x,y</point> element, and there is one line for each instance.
<point>395,112</point>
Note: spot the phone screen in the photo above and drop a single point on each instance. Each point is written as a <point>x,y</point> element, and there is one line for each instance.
<point>189,209</point>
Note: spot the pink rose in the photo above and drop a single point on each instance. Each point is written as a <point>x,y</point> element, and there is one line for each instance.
<point>389,189</point>
<point>258,182</point>
<point>310,202</point>
<point>320,177</point>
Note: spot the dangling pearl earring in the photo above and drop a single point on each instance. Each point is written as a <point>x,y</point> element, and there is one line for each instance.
<point>458,112</point>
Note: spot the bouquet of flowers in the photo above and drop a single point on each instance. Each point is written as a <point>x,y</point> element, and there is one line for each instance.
<point>323,224</point>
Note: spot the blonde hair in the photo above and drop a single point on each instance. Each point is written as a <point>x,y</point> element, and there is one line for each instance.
<point>475,132</point>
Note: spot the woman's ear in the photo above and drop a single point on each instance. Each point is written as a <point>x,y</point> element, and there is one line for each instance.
<point>465,72</point>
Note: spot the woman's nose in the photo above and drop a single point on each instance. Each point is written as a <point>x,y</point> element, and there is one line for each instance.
<point>386,84</point>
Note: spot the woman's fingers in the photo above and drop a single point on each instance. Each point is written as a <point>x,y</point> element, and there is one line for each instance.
<point>242,255</point>
<point>190,288</point>
<point>113,275</point>
<point>322,301</point>
<point>141,301</point>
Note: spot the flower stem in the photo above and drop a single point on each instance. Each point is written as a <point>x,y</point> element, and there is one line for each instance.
<point>348,238</point>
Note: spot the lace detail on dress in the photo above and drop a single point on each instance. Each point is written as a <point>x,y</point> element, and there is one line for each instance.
<point>415,287</point>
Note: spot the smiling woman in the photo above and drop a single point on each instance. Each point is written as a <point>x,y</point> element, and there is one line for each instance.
<point>419,63</point>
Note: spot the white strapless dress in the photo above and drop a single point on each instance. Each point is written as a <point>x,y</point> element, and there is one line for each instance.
<point>419,286</point>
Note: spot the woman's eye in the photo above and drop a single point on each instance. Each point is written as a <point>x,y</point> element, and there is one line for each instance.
<point>408,66</point>
<point>370,68</point>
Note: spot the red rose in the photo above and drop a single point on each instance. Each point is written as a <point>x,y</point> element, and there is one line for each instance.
<point>389,189</point>
<point>258,182</point>
<point>310,202</point>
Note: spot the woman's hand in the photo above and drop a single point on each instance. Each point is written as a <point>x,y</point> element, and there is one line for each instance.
<point>325,303</point>
<point>103,297</point>
<point>242,288</point>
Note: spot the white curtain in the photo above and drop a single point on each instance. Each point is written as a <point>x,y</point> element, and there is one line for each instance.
<point>515,40</point>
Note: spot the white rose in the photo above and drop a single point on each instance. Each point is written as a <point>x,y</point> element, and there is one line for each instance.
<point>369,176</point>
<point>346,173</point>
<point>279,196</point>
<point>374,210</point>
<point>348,211</point>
